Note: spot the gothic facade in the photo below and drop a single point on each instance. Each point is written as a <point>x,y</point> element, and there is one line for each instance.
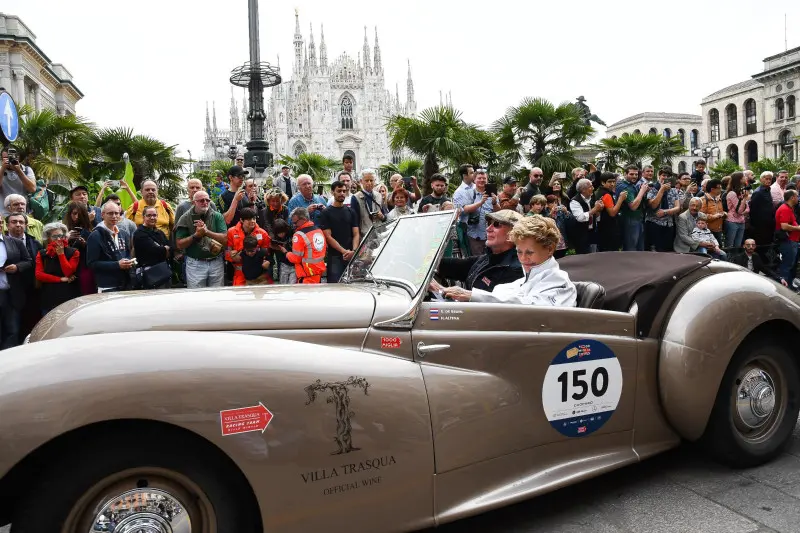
<point>333,109</point>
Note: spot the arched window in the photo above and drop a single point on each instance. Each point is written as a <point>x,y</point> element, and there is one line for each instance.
<point>682,136</point>
<point>347,113</point>
<point>694,139</point>
<point>733,122</point>
<point>614,137</point>
<point>713,123</point>
<point>626,134</point>
<point>653,131</point>
<point>790,106</point>
<point>667,133</point>
<point>750,152</point>
<point>681,167</point>
<point>637,132</point>
<point>733,153</point>
<point>281,119</point>
<point>779,109</point>
<point>299,148</point>
<point>750,125</point>
<point>787,145</point>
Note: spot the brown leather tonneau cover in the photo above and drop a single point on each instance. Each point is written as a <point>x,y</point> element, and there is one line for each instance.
<point>644,277</point>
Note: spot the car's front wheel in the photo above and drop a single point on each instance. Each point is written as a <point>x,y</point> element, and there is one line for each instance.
<point>155,486</point>
<point>756,407</point>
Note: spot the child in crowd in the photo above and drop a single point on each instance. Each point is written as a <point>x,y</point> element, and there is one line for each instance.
<point>538,203</point>
<point>286,271</point>
<point>701,233</point>
<point>255,263</point>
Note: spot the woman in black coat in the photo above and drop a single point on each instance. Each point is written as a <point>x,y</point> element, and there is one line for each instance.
<point>150,244</point>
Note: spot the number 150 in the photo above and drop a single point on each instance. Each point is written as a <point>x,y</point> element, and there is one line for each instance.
<point>599,386</point>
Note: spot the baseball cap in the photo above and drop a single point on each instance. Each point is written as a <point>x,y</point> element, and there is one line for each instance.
<point>237,171</point>
<point>508,180</point>
<point>504,216</point>
<point>78,188</point>
<point>285,166</point>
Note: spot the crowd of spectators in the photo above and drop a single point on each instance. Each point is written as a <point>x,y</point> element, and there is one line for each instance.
<point>232,232</point>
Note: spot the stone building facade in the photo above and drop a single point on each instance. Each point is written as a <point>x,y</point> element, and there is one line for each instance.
<point>29,75</point>
<point>331,108</point>
<point>688,128</point>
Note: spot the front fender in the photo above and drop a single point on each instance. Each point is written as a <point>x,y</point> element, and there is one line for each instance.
<point>709,322</point>
<point>371,436</point>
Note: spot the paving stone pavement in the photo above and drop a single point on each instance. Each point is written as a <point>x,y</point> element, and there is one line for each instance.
<point>680,491</point>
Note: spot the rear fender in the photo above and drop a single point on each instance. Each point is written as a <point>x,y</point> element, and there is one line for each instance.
<point>706,326</point>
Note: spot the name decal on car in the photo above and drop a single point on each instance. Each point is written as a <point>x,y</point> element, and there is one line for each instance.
<point>340,398</point>
<point>391,342</point>
<point>582,388</point>
<point>245,419</point>
<point>370,468</point>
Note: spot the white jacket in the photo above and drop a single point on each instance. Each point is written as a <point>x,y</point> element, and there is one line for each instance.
<point>544,284</point>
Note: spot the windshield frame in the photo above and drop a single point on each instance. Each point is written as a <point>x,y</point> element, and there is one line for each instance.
<point>413,291</point>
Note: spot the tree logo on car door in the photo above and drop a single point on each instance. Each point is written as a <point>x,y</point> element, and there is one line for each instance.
<point>340,398</point>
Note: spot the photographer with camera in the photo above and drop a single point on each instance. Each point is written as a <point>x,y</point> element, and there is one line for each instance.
<point>368,204</point>
<point>663,203</point>
<point>477,203</point>
<point>15,178</point>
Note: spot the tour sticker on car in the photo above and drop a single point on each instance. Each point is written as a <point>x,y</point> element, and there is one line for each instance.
<point>582,388</point>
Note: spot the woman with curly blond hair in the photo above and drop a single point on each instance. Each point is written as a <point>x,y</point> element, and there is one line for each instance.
<point>544,283</point>
<point>275,201</point>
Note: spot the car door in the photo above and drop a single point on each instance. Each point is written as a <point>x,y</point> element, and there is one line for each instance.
<point>505,378</point>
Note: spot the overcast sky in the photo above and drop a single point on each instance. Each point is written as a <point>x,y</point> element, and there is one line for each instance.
<point>153,64</point>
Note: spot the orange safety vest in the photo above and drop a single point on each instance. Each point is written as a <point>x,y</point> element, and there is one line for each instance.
<point>308,251</point>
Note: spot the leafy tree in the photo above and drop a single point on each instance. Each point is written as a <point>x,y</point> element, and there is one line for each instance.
<point>722,168</point>
<point>639,149</point>
<point>542,134</point>
<point>50,143</point>
<point>439,136</point>
<point>406,168</point>
<point>774,165</point>
<point>318,166</point>
<point>149,157</point>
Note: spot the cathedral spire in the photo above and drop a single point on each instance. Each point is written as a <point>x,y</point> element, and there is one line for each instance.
<point>409,85</point>
<point>378,65</point>
<point>367,66</point>
<point>305,61</point>
<point>214,107</point>
<point>323,50</point>
<point>298,45</point>
<point>208,121</point>
<point>312,54</point>
<point>235,134</point>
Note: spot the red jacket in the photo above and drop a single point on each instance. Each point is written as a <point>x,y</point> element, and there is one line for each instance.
<point>308,251</point>
<point>236,244</point>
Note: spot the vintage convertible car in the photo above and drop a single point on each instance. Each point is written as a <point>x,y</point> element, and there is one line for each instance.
<point>201,411</point>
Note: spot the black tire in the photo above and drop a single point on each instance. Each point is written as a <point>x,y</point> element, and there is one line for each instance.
<point>726,438</point>
<point>60,495</point>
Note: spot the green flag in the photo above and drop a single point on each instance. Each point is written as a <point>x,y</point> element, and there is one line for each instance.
<point>124,197</point>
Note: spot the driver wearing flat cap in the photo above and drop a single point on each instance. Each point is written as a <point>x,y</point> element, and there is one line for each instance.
<point>498,265</point>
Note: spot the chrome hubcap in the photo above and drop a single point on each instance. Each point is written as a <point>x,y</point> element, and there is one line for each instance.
<point>142,511</point>
<point>755,398</point>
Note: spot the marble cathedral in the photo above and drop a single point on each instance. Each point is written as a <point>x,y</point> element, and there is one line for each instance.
<point>327,108</point>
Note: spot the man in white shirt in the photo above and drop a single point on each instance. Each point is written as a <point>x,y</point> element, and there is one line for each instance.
<point>581,231</point>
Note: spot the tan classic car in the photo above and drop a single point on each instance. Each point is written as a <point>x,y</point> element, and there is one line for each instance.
<point>200,411</point>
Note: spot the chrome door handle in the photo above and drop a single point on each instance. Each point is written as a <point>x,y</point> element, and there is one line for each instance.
<point>422,348</point>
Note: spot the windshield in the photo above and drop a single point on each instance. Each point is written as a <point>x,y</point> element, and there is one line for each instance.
<point>403,250</point>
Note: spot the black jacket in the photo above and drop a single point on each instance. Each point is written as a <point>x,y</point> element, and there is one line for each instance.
<point>148,245</point>
<point>758,265</point>
<point>483,271</point>
<point>17,255</point>
<point>103,258</point>
<point>762,212</point>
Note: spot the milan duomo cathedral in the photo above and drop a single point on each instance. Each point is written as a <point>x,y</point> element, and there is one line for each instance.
<point>327,108</point>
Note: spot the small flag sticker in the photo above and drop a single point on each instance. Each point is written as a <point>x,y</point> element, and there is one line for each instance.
<point>434,314</point>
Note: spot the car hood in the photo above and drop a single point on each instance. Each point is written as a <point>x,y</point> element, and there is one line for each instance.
<point>320,306</point>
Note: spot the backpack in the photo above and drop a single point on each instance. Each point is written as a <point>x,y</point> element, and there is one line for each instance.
<point>136,207</point>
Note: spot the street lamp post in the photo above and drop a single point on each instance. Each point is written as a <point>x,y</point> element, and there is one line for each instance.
<point>706,152</point>
<point>256,76</point>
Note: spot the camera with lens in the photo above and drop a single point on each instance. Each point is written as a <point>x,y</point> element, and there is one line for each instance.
<point>12,158</point>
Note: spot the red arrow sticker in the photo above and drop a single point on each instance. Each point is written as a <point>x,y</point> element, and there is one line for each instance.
<point>244,419</point>
<point>391,342</point>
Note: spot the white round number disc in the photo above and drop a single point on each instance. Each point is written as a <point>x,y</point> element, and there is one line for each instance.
<point>582,388</point>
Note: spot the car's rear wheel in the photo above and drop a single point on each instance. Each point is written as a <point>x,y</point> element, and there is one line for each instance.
<point>144,486</point>
<point>756,407</point>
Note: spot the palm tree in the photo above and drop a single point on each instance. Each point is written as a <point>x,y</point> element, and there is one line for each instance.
<point>636,149</point>
<point>542,134</point>
<point>318,166</point>
<point>406,168</point>
<point>50,143</point>
<point>149,157</point>
<point>438,136</point>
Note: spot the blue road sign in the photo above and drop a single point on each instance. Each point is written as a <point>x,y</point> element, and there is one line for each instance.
<point>9,119</point>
